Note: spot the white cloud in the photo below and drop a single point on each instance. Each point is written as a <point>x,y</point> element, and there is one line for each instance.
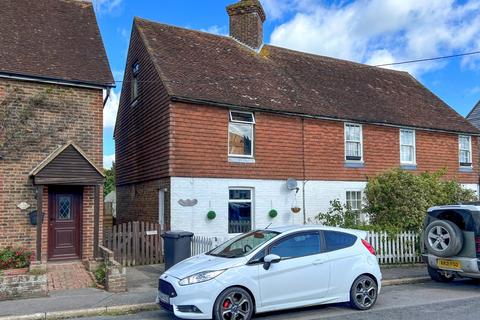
<point>381,31</point>
<point>219,30</point>
<point>108,161</point>
<point>107,6</point>
<point>110,110</point>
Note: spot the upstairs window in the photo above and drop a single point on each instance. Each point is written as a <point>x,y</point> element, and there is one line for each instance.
<point>407,146</point>
<point>353,142</point>
<point>241,134</point>
<point>465,151</point>
<point>134,85</point>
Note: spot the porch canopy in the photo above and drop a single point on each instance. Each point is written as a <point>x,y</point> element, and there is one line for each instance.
<point>67,165</point>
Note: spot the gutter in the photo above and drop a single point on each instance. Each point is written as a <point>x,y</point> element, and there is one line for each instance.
<point>309,116</point>
<point>56,81</point>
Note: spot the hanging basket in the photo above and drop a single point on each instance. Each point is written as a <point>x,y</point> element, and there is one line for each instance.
<point>296,209</point>
<point>273,213</point>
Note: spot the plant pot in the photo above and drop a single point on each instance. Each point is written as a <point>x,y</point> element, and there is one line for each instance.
<point>296,209</point>
<point>15,272</point>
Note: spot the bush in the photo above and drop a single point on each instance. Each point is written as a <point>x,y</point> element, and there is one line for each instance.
<point>339,215</point>
<point>101,274</point>
<point>14,258</point>
<point>399,199</point>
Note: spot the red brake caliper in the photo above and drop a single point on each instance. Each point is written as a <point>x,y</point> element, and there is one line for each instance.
<point>226,304</point>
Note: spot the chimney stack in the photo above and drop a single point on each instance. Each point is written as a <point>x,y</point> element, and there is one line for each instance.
<point>246,22</point>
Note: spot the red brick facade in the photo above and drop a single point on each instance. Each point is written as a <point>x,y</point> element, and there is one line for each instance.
<point>200,144</point>
<point>37,119</point>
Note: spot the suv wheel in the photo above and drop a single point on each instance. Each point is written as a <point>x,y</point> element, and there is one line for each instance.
<point>443,238</point>
<point>439,276</point>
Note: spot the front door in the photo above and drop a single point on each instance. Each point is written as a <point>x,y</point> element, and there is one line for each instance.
<point>64,229</point>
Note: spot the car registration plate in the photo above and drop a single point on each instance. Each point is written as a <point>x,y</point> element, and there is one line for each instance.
<point>164,298</point>
<point>449,264</point>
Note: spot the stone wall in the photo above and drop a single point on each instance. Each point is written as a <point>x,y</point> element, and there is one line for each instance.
<point>23,286</point>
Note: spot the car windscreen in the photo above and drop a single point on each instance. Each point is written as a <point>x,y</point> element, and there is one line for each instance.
<point>243,244</point>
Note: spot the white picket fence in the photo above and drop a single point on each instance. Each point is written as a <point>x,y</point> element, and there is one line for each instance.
<point>399,249</point>
<point>402,248</point>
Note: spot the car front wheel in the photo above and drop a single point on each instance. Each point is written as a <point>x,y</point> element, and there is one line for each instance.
<point>233,304</point>
<point>363,293</point>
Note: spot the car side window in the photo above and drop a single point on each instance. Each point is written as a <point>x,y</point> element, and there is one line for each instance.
<point>336,240</point>
<point>296,246</point>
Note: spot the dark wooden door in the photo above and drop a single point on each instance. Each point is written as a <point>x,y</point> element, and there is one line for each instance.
<point>65,216</point>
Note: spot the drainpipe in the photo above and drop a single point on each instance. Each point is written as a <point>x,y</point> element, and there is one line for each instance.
<point>107,96</point>
<point>304,178</point>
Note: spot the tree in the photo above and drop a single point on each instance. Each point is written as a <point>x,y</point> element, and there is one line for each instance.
<point>109,185</point>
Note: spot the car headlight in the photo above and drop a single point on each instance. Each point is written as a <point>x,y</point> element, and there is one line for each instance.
<point>200,277</point>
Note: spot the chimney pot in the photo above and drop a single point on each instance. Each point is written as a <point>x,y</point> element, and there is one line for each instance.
<point>246,22</point>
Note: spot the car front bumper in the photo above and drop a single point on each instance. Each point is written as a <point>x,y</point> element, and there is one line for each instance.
<point>201,295</point>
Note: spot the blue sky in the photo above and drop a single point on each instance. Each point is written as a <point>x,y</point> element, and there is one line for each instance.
<point>367,31</point>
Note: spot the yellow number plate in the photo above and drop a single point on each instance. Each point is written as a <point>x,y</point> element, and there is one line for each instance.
<point>449,264</point>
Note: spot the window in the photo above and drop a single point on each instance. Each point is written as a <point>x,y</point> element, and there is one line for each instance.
<point>338,240</point>
<point>134,85</point>
<point>300,245</point>
<point>354,200</point>
<point>353,142</point>
<point>465,151</point>
<point>240,210</point>
<point>407,146</point>
<point>240,134</point>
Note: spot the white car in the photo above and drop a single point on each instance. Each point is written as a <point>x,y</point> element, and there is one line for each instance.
<point>273,269</point>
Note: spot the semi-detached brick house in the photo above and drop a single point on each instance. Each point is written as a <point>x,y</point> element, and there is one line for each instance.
<point>219,123</point>
<point>53,72</point>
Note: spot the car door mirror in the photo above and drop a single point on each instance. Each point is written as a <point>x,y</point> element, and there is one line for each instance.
<point>268,260</point>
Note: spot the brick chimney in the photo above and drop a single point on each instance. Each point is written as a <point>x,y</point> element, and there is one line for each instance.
<point>246,22</point>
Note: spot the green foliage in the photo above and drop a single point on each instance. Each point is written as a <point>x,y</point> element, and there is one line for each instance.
<point>14,258</point>
<point>398,200</point>
<point>211,215</point>
<point>109,185</point>
<point>339,215</point>
<point>101,274</point>
<point>273,213</point>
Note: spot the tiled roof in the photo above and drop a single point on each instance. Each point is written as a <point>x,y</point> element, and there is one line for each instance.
<point>204,67</point>
<point>54,39</point>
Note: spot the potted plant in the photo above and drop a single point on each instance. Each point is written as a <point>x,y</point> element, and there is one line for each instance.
<point>211,215</point>
<point>273,213</point>
<point>14,261</point>
<point>296,209</point>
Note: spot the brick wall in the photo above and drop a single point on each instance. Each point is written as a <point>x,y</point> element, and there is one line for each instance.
<point>47,116</point>
<point>200,141</point>
<point>139,202</point>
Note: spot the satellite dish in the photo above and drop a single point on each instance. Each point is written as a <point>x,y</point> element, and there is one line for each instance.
<point>292,184</point>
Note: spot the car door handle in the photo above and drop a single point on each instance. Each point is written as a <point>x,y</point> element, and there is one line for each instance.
<point>319,261</point>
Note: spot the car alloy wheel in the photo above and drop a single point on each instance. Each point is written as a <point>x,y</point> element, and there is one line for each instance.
<point>234,304</point>
<point>439,238</point>
<point>363,294</point>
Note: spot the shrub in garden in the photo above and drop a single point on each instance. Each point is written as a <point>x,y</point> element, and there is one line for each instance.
<point>14,258</point>
<point>399,199</point>
<point>338,215</point>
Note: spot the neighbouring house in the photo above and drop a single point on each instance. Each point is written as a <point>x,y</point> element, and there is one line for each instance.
<point>53,74</point>
<point>232,125</point>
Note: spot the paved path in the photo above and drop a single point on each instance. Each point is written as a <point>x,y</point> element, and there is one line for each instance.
<point>458,300</point>
<point>67,276</point>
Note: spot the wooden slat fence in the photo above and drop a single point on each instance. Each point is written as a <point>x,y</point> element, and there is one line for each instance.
<point>136,243</point>
<point>398,249</point>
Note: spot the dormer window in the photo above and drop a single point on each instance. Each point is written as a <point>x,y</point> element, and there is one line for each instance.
<point>134,86</point>
<point>241,134</point>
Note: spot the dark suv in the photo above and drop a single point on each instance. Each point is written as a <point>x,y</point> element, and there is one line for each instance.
<point>451,242</point>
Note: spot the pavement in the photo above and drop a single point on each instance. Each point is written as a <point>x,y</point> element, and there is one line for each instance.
<point>142,284</point>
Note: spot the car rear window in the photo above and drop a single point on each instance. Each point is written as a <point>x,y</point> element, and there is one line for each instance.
<point>336,240</point>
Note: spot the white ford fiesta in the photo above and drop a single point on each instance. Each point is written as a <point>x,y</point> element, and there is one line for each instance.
<point>273,269</point>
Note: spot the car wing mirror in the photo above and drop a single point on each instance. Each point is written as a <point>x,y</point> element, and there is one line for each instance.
<point>269,259</point>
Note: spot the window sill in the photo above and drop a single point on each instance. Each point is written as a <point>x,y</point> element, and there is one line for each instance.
<point>352,164</point>
<point>465,169</point>
<point>408,166</point>
<point>240,160</point>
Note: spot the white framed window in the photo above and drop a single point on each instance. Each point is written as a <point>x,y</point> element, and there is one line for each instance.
<point>134,84</point>
<point>354,200</point>
<point>353,142</point>
<point>241,134</point>
<point>407,146</point>
<point>240,210</point>
<point>465,151</point>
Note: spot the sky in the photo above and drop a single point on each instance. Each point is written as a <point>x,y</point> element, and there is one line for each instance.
<point>367,31</point>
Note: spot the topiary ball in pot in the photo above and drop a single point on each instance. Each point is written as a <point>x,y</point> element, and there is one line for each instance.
<point>211,215</point>
<point>273,213</point>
